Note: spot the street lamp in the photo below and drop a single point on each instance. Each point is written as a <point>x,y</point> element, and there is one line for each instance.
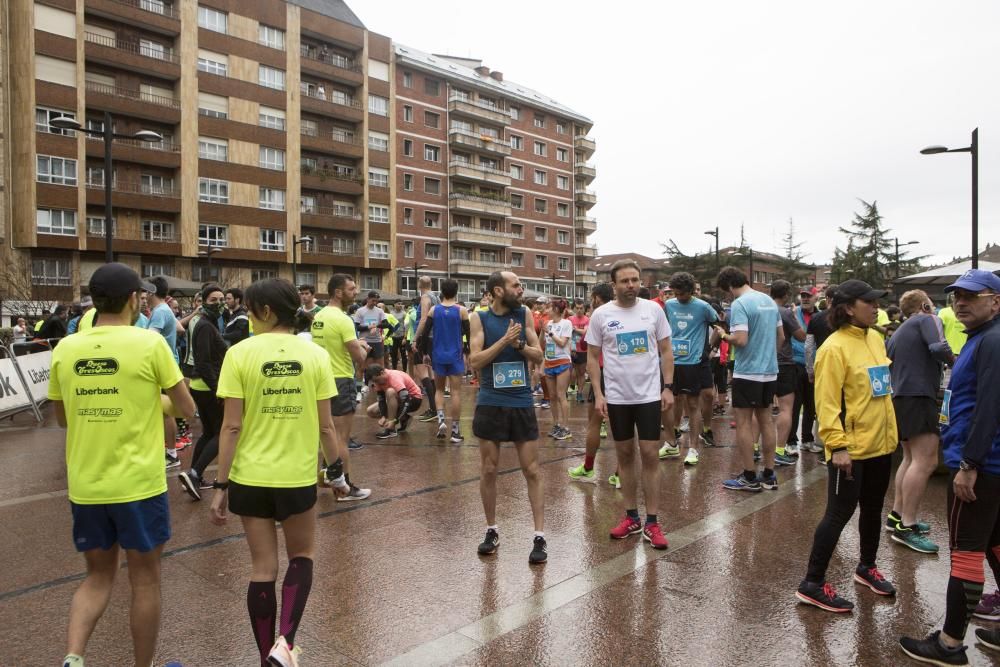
<point>739,253</point>
<point>67,123</point>
<point>295,256</point>
<point>973,149</point>
<point>898,246</point>
<point>715,233</point>
<point>416,275</point>
<point>214,250</point>
<point>553,279</point>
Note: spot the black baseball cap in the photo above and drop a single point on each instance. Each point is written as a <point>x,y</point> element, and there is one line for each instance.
<point>373,295</point>
<point>850,290</point>
<point>117,280</point>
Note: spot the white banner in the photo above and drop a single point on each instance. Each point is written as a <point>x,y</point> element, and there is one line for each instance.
<point>12,393</point>
<point>35,368</point>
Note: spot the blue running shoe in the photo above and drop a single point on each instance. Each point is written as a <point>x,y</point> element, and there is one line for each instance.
<point>741,483</point>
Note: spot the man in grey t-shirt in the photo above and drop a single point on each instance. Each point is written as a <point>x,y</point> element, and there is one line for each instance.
<point>784,390</point>
<point>371,320</point>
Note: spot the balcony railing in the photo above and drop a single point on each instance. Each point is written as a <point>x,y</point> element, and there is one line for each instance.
<point>480,197</point>
<point>332,98</point>
<point>164,54</point>
<point>475,266</point>
<point>334,59</point>
<point>480,141</point>
<point>169,191</point>
<point>332,211</point>
<point>332,171</point>
<point>126,93</point>
<point>130,233</point>
<point>478,109</point>
<point>165,146</point>
<point>463,234</point>
<point>584,143</point>
<point>586,249</point>
<point>478,167</point>
<point>151,6</point>
<point>345,247</point>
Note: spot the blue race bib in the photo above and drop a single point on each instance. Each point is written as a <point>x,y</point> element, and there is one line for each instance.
<point>681,348</point>
<point>550,349</point>
<point>881,381</point>
<point>632,342</point>
<point>944,418</point>
<point>509,375</point>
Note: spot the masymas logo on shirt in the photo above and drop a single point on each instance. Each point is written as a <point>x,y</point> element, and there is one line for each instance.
<point>273,369</point>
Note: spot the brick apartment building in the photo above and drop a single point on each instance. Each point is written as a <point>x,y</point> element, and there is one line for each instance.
<point>279,120</point>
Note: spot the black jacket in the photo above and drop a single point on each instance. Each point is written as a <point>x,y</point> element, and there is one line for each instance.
<point>208,350</point>
<point>237,326</point>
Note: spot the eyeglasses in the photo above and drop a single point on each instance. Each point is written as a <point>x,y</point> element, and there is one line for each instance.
<point>963,295</point>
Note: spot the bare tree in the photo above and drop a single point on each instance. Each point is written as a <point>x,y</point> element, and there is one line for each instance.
<point>17,293</point>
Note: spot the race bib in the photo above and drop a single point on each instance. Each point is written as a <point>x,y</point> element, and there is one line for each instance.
<point>550,349</point>
<point>371,321</point>
<point>681,347</point>
<point>944,418</point>
<point>508,375</point>
<point>632,342</point>
<point>576,339</point>
<point>880,380</point>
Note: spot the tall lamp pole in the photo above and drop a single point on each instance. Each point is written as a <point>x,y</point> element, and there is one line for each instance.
<point>208,255</point>
<point>898,246</point>
<point>295,256</point>
<point>972,149</point>
<point>715,233</point>
<point>416,276</point>
<point>553,280</point>
<point>67,123</point>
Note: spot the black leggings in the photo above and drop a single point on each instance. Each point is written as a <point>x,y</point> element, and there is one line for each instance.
<point>397,349</point>
<point>207,447</point>
<point>806,403</point>
<point>870,480</point>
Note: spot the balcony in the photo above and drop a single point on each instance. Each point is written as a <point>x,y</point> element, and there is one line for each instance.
<point>461,106</point>
<point>339,218</point>
<point>129,102</point>
<point>478,173</point>
<point>131,238</point>
<point>582,274</point>
<point>585,197</point>
<point>136,196</point>
<point>333,178</point>
<point>584,145</point>
<point>133,56</point>
<point>480,237</point>
<point>161,154</point>
<point>337,106</point>
<point>586,250</point>
<point>336,252</point>
<point>152,15</point>
<point>330,65</point>
<point>584,224</point>
<point>584,172</point>
<point>339,142</point>
<point>479,142</point>
<point>477,267</point>
<point>474,202</point>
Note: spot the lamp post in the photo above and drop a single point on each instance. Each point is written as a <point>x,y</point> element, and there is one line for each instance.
<point>552,278</point>
<point>739,253</point>
<point>416,275</point>
<point>715,233</point>
<point>972,149</point>
<point>208,254</point>
<point>295,256</point>
<point>898,246</point>
<point>67,123</point>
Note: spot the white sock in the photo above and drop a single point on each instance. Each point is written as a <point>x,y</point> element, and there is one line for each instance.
<point>172,452</point>
<point>494,527</point>
<point>539,533</point>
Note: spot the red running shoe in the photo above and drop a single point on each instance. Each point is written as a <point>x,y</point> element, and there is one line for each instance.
<point>652,533</point>
<point>628,526</point>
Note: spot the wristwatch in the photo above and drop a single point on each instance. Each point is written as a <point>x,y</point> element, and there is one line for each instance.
<point>520,345</point>
<point>965,464</point>
<point>220,485</point>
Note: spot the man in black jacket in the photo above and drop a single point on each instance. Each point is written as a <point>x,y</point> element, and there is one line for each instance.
<point>237,326</point>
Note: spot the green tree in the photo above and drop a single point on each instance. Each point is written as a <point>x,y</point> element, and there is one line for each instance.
<point>700,265</point>
<point>846,263</point>
<point>873,246</point>
<point>792,267</point>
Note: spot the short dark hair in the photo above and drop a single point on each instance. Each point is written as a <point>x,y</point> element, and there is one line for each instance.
<point>449,288</point>
<point>111,305</point>
<point>624,264</point>
<point>307,288</point>
<point>160,283</point>
<point>208,289</point>
<point>603,292</point>
<point>729,278</point>
<point>644,293</point>
<point>373,295</point>
<point>495,280</point>
<point>276,293</point>
<point>337,281</point>
<point>780,289</point>
<point>60,309</point>
<point>373,372</point>
<point>893,310</point>
<point>839,316</point>
<point>682,281</point>
<point>237,293</point>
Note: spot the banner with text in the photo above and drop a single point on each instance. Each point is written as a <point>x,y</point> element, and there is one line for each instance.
<point>12,394</point>
<point>35,368</point>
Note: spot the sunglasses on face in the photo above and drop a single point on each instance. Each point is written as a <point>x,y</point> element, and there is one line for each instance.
<point>963,295</point>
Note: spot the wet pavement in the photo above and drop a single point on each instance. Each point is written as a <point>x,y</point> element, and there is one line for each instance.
<point>398,580</point>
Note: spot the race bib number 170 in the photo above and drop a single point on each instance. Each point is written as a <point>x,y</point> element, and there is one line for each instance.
<point>632,342</point>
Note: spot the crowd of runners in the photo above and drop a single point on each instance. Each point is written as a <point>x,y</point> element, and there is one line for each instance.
<point>274,378</point>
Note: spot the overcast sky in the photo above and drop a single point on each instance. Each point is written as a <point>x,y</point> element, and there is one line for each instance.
<point>721,113</point>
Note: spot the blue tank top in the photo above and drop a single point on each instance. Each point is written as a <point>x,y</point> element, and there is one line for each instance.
<point>504,382</point>
<point>446,345</point>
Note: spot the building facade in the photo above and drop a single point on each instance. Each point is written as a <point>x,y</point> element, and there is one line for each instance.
<point>282,141</point>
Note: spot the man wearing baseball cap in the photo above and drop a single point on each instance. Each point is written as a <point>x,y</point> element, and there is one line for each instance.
<point>805,403</point>
<point>105,384</point>
<point>970,435</point>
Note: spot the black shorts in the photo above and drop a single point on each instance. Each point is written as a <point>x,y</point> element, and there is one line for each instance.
<point>627,420</point>
<point>420,358</point>
<point>915,415</point>
<point>720,374</point>
<point>971,526</point>
<point>752,394</point>
<point>270,503</point>
<point>578,358</point>
<point>376,350</point>
<point>786,380</point>
<point>344,402</point>
<point>691,379</point>
<point>591,398</point>
<point>502,424</point>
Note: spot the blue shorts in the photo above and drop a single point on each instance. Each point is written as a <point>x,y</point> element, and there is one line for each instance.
<point>142,525</point>
<point>443,369</point>
<point>556,370</point>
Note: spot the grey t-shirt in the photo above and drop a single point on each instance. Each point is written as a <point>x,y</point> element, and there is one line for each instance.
<point>790,324</point>
<point>366,316</point>
<point>918,349</point>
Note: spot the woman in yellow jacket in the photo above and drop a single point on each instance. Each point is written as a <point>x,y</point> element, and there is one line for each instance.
<point>858,426</point>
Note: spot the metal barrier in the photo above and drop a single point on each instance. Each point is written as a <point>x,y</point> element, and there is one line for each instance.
<point>13,401</point>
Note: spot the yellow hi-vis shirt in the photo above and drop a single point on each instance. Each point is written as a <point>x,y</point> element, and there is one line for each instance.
<point>109,381</point>
<point>332,329</point>
<point>954,331</point>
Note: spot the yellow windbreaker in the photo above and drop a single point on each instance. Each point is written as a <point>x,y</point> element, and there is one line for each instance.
<point>849,415</point>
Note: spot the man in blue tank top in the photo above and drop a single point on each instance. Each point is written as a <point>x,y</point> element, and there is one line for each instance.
<point>447,329</point>
<point>502,343</point>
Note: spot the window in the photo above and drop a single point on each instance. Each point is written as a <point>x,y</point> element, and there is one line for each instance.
<point>517,229</point>
<point>214,106</point>
<point>150,270</point>
<point>541,262</point>
<point>370,281</point>
<point>432,251</point>
<point>307,277</point>
<point>213,235</point>
<point>378,141</point>
<point>539,120</point>
<point>515,113</point>
<point>154,184</point>
<point>59,71</point>
<point>378,213</point>
<point>269,77</point>
<point>95,177</point>
<point>267,274</point>
<point>272,37</point>
<point>562,182</point>
<point>517,259</point>
<point>309,128</point>
<point>432,219</point>
<point>432,153</point>
<point>517,172</point>
<point>407,216</point>
<point>213,149</point>
<point>272,158</point>
<point>213,191</point>
<point>560,127</point>
<point>378,178</point>
<point>272,239</point>
<point>562,237</point>
<point>517,201</point>
<point>378,249</point>
<point>432,86</point>
<point>562,210</point>
<point>408,147</point>
<point>562,154</point>
<point>491,132</point>
<point>378,105</point>
<point>95,226</point>
<point>212,19</point>
<point>273,118</point>
<point>307,204</point>
<point>563,263</point>
<point>408,113</point>
<point>516,142</point>
<point>408,182</point>
<point>156,230</point>
<point>44,115</point>
<point>55,221</point>
<point>541,234</point>
<point>152,49</point>
<point>541,206</point>
<point>540,148</point>
<point>57,170</point>
<point>458,252</point>
<point>272,199</point>
<point>540,177</point>
<point>213,63</point>
<point>408,249</point>
<point>51,272</point>
<point>461,125</point>
<point>407,79</point>
<point>432,119</point>
<point>432,186</point>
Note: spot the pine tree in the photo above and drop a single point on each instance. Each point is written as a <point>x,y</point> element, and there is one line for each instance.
<point>792,268</point>
<point>873,251</point>
<point>700,265</point>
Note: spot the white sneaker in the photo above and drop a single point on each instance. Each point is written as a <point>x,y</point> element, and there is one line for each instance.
<point>669,451</point>
<point>813,447</point>
<point>354,494</point>
<point>685,425</point>
<point>792,450</point>
<point>282,655</point>
<point>692,458</point>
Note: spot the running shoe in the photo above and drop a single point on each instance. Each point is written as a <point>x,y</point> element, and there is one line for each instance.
<point>539,553</point>
<point>581,474</point>
<point>604,430</point>
<point>741,483</point>
<point>72,660</point>
<point>615,481</point>
<point>282,655</point>
<point>989,638</point>
<point>545,405</point>
<point>387,433</point>
<point>813,447</point>
<point>457,437</point>
<point>447,393</point>
<point>892,520</point>
<point>708,437</point>
<point>172,461</point>
<point>181,442</point>
<point>205,484</point>
<point>355,493</point>
<point>628,526</point>
<point>989,607</point>
<point>189,482</point>
<point>823,596</point>
<point>873,579</point>
<point>428,416</point>
<point>490,543</point>
<point>653,534</point>
<point>769,482</point>
<point>692,458</point>
<point>932,651</point>
<point>792,450</point>
<point>442,431</point>
<point>537,391</point>
<point>783,460</point>
<point>914,540</point>
<point>678,434</point>
<point>553,430</point>
<point>685,425</point>
<point>669,451</point>
<point>404,421</point>
<point>563,434</point>
<point>354,445</point>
